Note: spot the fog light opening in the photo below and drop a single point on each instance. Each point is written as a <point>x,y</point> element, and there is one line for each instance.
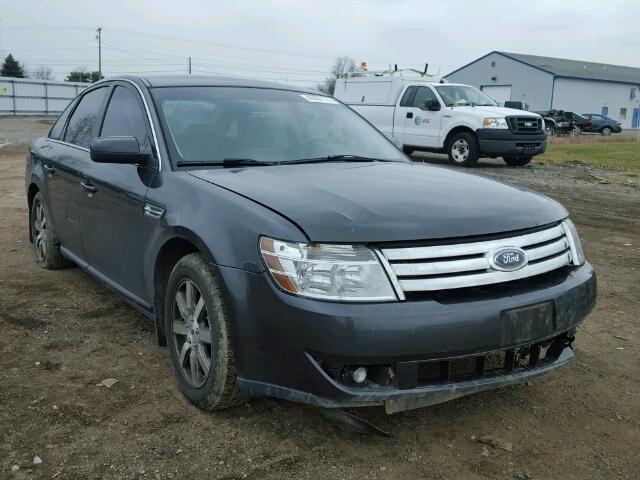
<point>359,375</point>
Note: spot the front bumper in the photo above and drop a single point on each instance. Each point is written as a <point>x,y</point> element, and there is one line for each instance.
<point>292,348</point>
<point>503,142</point>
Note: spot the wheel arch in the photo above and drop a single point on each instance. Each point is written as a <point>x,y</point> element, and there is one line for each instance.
<point>455,131</point>
<point>32,190</point>
<point>178,243</point>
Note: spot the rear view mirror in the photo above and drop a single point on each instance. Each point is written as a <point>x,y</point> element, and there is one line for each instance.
<point>432,105</point>
<point>117,150</point>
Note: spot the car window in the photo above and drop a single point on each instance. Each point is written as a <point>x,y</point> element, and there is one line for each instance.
<point>423,95</point>
<point>124,116</point>
<point>56,130</point>
<point>407,97</point>
<point>83,124</point>
<point>265,125</point>
<point>463,96</point>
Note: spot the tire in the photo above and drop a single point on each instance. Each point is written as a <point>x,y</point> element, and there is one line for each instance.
<point>408,150</point>
<point>517,161</point>
<point>43,234</point>
<point>606,131</point>
<point>196,314</point>
<point>551,131</point>
<point>463,150</point>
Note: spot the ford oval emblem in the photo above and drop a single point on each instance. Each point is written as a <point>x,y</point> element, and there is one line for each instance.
<point>508,259</point>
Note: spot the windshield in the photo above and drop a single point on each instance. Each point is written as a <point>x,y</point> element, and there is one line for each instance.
<point>261,125</point>
<point>463,95</point>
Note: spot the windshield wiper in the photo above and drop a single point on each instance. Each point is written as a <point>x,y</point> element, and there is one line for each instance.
<point>334,158</point>
<point>227,162</point>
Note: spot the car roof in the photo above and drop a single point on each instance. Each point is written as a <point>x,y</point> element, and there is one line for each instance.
<point>159,81</point>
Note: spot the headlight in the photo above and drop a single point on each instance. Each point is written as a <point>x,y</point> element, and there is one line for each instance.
<point>331,272</point>
<point>577,254</point>
<point>494,123</point>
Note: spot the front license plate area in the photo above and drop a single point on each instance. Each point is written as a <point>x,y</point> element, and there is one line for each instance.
<point>529,148</point>
<point>527,323</point>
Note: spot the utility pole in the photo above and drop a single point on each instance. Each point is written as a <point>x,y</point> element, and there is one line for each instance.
<point>189,65</point>
<point>99,36</point>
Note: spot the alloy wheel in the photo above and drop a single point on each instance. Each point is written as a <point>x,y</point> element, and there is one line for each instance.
<point>460,150</point>
<point>192,333</point>
<point>606,131</point>
<point>40,231</point>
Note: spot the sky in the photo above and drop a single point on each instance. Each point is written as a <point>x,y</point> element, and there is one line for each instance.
<point>296,41</point>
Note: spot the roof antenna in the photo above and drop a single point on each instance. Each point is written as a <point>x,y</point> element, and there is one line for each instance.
<point>426,67</point>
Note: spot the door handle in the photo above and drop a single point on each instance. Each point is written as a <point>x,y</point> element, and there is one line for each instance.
<point>409,114</point>
<point>88,187</point>
<point>48,168</point>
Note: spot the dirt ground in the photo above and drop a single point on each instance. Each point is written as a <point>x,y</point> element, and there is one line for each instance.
<point>63,333</point>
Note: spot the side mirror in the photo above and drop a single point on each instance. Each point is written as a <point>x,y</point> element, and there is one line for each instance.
<point>117,150</point>
<point>432,105</point>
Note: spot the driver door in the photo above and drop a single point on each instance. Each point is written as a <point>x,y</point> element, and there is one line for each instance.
<point>421,125</point>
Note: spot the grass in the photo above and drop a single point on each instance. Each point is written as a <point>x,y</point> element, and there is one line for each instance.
<point>610,155</point>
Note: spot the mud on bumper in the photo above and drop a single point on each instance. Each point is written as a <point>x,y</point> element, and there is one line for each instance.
<point>416,384</point>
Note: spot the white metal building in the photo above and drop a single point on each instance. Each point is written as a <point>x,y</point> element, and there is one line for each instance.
<point>547,83</point>
<point>24,96</point>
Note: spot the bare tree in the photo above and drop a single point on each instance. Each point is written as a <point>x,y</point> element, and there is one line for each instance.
<point>342,64</point>
<point>41,73</point>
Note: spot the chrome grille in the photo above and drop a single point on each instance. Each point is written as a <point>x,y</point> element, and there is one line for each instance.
<point>525,124</point>
<point>462,265</point>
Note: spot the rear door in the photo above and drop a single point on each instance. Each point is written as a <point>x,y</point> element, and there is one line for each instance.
<point>68,157</point>
<point>421,126</point>
<point>112,210</point>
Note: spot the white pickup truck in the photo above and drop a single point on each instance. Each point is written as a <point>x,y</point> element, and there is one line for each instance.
<point>423,114</point>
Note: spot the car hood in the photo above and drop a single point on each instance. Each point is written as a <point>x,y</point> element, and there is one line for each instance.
<point>498,111</point>
<point>381,202</point>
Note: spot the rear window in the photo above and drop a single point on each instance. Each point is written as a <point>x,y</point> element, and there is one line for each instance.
<point>58,126</point>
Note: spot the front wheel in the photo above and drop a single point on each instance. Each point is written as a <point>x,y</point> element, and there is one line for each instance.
<point>606,131</point>
<point>463,149</point>
<point>198,335</point>
<point>517,161</point>
<point>576,130</point>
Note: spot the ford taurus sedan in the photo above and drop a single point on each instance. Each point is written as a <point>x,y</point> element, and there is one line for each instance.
<point>284,247</point>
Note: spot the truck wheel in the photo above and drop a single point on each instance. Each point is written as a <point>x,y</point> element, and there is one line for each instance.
<point>606,131</point>
<point>517,161</point>
<point>45,239</point>
<point>463,149</point>
<point>198,335</point>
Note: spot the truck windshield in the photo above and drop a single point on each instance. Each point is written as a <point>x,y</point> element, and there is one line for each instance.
<point>250,126</point>
<point>463,96</point>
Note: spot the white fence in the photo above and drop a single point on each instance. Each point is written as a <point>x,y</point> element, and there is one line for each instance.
<point>24,96</point>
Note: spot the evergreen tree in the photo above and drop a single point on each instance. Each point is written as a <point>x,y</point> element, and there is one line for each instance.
<point>11,68</point>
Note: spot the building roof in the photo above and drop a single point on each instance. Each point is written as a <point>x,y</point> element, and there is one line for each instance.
<point>563,67</point>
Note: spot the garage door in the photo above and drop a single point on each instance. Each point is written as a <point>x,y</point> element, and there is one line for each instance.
<point>500,93</point>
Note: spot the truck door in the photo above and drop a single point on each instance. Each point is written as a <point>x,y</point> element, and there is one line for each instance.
<point>420,121</point>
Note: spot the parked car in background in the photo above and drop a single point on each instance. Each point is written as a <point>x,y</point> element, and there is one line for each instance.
<point>602,124</point>
<point>284,247</point>
<point>421,113</point>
